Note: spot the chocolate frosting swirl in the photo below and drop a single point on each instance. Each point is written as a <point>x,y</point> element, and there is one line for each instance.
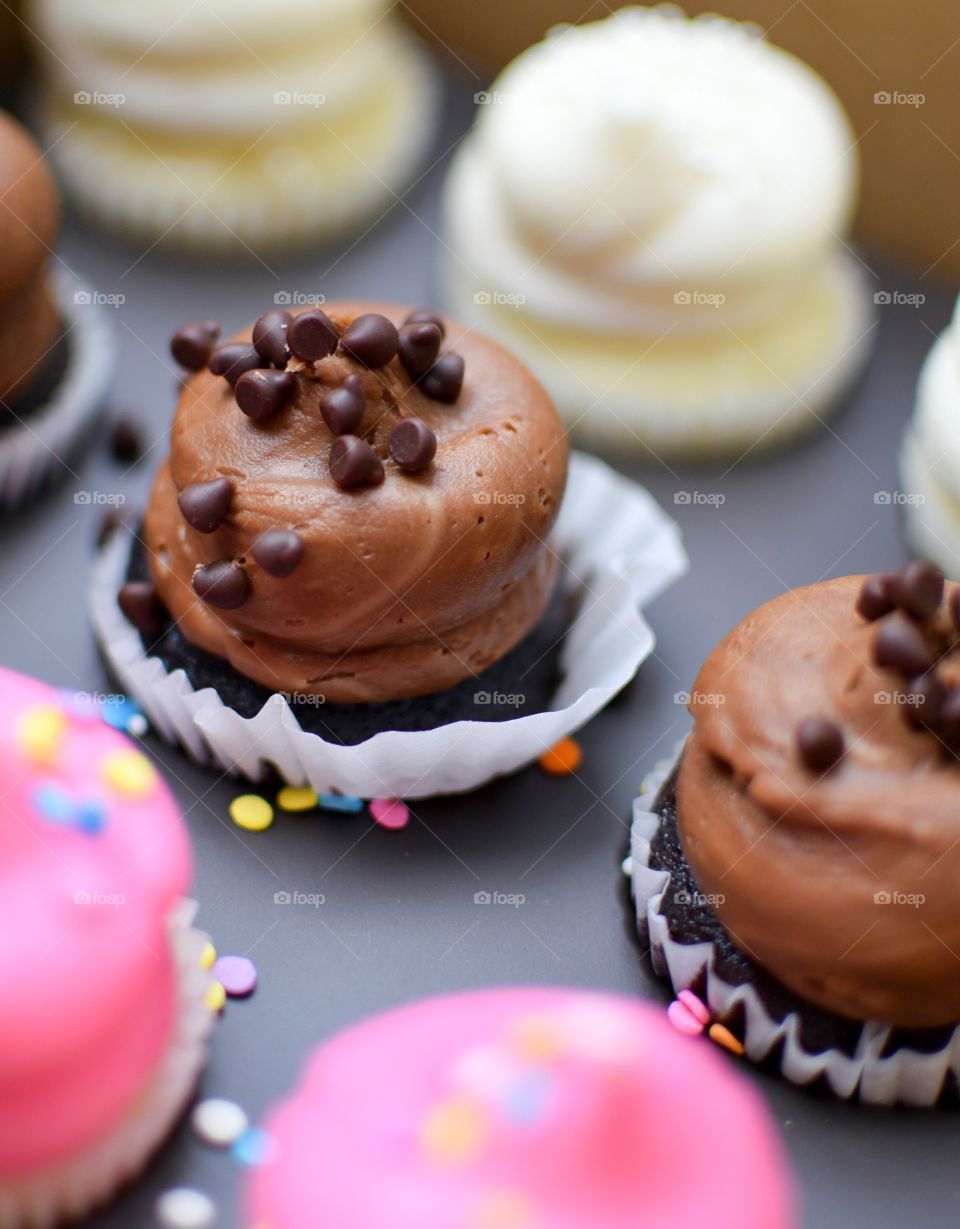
<point>842,884</point>
<point>404,588</point>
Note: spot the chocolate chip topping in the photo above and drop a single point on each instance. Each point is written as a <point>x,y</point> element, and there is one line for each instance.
<point>313,335</point>
<point>205,504</point>
<point>262,394</point>
<point>342,408</point>
<point>926,696</point>
<point>270,336</point>
<point>419,348</point>
<point>424,315</point>
<point>371,339</point>
<point>126,443</point>
<point>948,726</point>
<point>919,590</point>
<point>820,743</point>
<point>139,602</point>
<point>412,445</point>
<point>278,551</point>
<point>233,359</point>
<point>444,379</point>
<point>876,598</point>
<point>900,645</point>
<point>191,346</point>
<point>353,463</point>
<point>223,584</point>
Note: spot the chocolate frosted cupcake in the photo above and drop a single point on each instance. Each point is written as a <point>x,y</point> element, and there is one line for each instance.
<point>797,868</point>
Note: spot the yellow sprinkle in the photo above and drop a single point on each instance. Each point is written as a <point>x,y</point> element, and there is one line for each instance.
<point>504,1210</point>
<point>208,956</point>
<point>130,773</point>
<point>536,1039</point>
<point>251,812</point>
<point>563,757</point>
<point>723,1037</point>
<point>40,732</point>
<point>216,996</point>
<point>455,1132</point>
<point>297,798</point>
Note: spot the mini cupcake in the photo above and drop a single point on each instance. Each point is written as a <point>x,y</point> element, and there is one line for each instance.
<point>651,210</point>
<point>55,351</point>
<point>227,126</point>
<point>930,458</point>
<point>796,869</point>
<point>353,535</point>
<point>103,1027</point>
<point>519,1109</point>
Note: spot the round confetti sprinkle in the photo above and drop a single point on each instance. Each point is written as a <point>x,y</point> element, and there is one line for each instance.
<point>53,802</point>
<point>504,1210</point>
<point>237,975</point>
<point>137,725</point>
<point>251,812</point>
<point>218,1122</point>
<point>297,798</point>
<point>208,955</point>
<point>41,731</point>
<point>390,812</point>
<point>184,1208</point>
<point>130,773</point>
<point>563,757</point>
<point>123,714</point>
<point>216,997</point>
<point>722,1036</point>
<point>253,1147</point>
<point>454,1132</point>
<point>536,1039</point>
<point>344,803</point>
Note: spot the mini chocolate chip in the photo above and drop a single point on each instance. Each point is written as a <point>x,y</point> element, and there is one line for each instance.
<point>278,551</point>
<point>949,727</point>
<point>899,645</point>
<point>926,696</point>
<point>270,336</point>
<point>354,463</point>
<point>262,394</point>
<point>204,504</point>
<point>342,408</point>
<point>876,598</point>
<point>222,584</point>
<point>191,346</point>
<point>920,589</point>
<point>126,444</point>
<point>419,347</point>
<point>412,444</point>
<point>313,335</point>
<point>820,743</point>
<point>444,379</point>
<point>233,359</point>
<point>423,315</point>
<point>954,603</point>
<point>139,602</point>
<point>371,339</point>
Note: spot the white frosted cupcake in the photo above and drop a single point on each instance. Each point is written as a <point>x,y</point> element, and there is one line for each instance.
<point>651,211</point>
<point>224,125</point>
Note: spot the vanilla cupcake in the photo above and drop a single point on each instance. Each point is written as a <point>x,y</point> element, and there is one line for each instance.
<point>651,211</point>
<point>226,126</point>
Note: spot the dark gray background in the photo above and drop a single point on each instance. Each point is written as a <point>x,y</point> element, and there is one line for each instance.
<point>399,920</point>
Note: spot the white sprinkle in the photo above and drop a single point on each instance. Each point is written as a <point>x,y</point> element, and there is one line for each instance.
<point>137,725</point>
<point>218,1122</point>
<point>183,1208</point>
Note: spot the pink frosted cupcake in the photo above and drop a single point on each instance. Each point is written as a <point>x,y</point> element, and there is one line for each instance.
<point>103,1018</point>
<point>520,1109</point>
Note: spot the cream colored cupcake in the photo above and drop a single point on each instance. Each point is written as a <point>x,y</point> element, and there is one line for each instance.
<point>651,211</point>
<point>230,125</point>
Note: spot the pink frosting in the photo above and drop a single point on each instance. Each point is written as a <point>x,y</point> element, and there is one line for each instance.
<point>93,855</point>
<point>520,1109</point>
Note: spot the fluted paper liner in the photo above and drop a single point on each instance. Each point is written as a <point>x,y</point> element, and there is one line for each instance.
<point>906,1077</point>
<point>618,547</point>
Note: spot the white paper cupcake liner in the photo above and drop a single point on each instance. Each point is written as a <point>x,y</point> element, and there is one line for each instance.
<point>76,1186</point>
<point>33,449</point>
<point>906,1077</point>
<point>620,550</point>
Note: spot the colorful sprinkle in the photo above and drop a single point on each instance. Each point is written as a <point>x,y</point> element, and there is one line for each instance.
<point>252,1148</point>
<point>218,1122</point>
<point>53,802</point>
<point>297,798</point>
<point>563,758</point>
<point>130,773</point>
<point>40,732</point>
<point>390,812</point>
<point>536,1039</point>
<point>455,1132</point>
<point>184,1208</point>
<point>208,955</point>
<point>124,715</point>
<point>504,1210</point>
<point>251,812</point>
<point>90,816</point>
<point>344,803</point>
<point>720,1034</point>
<point>525,1099</point>
<point>688,1014</point>
<point>216,997</point>
<point>237,975</point>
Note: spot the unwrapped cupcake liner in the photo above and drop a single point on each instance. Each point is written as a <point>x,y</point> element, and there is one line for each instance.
<point>32,449</point>
<point>620,551</point>
<point>905,1077</point>
<point>75,1186</point>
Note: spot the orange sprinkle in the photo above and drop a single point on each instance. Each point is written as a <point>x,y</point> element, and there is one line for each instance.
<point>563,757</point>
<point>723,1037</point>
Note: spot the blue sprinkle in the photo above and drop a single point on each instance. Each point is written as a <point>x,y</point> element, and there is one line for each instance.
<point>526,1098</point>
<point>251,1148</point>
<point>119,713</point>
<point>341,802</point>
<point>53,802</point>
<point>90,816</point>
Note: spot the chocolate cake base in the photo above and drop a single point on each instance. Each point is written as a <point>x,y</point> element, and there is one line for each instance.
<point>519,684</point>
<point>41,388</point>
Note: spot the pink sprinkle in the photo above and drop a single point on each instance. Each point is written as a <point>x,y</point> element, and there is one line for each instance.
<point>696,1007</point>
<point>686,1014</point>
<point>236,974</point>
<point>389,812</point>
